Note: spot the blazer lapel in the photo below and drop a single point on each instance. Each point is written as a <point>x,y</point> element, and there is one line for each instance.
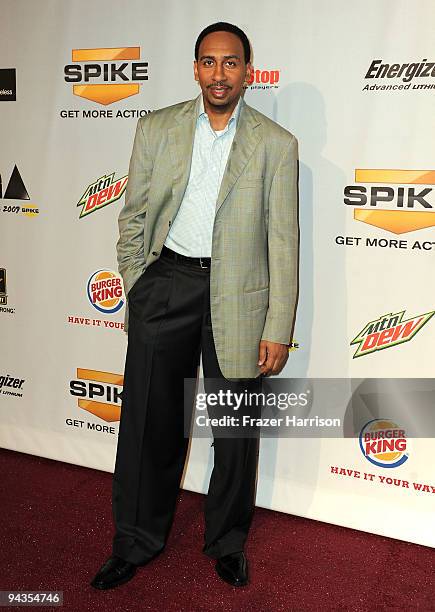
<point>244,144</point>
<point>180,139</point>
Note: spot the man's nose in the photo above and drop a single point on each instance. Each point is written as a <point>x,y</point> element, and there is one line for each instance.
<point>218,73</point>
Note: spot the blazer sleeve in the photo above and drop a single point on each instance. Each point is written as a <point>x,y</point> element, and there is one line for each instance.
<point>130,246</point>
<point>283,248</point>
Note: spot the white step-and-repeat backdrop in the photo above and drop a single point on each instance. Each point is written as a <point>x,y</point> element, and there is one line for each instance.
<point>355,82</point>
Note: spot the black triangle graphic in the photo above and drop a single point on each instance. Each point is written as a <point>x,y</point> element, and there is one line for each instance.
<point>16,189</point>
<point>1,187</point>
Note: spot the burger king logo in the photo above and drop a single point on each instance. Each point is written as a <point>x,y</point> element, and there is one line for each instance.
<point>105,291</point>
<point>383,443</point>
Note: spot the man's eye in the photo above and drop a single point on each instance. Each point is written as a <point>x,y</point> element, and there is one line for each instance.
<point>207,62</point>
<point>231,64</point>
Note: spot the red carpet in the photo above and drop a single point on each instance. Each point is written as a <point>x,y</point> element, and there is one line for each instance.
<point>56,530</point>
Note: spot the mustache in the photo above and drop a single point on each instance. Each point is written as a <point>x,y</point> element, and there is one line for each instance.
<point>219,84</point>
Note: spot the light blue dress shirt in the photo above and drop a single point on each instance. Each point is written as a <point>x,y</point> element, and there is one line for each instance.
<point>191,231</point>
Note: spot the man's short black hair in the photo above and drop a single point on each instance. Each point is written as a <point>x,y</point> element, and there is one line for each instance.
<point>223,26</point>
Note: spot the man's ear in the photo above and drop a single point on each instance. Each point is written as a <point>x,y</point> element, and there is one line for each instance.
<point>195,71</point>
<point>249,72</point>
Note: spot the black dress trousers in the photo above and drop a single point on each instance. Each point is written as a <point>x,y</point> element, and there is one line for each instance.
<point>169,328</point>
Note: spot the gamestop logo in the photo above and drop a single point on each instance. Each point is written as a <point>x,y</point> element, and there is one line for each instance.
<point>106,75</point>
<point>263,79</point>
<point>105,291</point>
<point>384,443</point>
<point>387,331</point>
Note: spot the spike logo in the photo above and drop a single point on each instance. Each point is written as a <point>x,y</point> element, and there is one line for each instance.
<point>103,75</point>
<point>391,197</point>
<point>99,393</point>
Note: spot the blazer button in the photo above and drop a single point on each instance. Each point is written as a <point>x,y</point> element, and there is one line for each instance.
<point>155,253</point>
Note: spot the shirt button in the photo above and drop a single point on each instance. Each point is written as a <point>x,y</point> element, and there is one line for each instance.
<point>155,253</point>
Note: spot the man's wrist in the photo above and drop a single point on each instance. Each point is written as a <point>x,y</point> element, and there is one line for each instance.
<point>275,342</point>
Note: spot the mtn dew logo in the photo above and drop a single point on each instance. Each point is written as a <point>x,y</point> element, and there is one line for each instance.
<point>389,330</point>
<point>102,192</point>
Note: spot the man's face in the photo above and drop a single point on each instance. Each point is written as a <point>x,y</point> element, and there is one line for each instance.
<point>221,70</point>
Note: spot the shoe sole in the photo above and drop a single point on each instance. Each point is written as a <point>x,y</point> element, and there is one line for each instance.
<point>225,578</point>
<point>103,587</point>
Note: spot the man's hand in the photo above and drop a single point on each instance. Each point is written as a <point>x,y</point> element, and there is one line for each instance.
<point>272,357</point>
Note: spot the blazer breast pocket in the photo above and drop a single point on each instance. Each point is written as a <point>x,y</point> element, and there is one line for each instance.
<point>252,182</point>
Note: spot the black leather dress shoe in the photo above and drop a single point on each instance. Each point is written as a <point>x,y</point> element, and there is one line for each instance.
<point>114,572</point>
<point>233,569</point>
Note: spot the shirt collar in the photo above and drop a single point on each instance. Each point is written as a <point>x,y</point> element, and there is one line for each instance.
<point>233,119</point>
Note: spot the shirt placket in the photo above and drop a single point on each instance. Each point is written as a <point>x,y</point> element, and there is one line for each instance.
<point>207,177</point>
<point>217,148</point>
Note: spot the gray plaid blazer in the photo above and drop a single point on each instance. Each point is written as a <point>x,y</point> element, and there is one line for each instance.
<point>254,271</point>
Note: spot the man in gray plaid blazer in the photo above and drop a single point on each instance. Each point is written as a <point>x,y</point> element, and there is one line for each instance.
<point>208,251</point>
